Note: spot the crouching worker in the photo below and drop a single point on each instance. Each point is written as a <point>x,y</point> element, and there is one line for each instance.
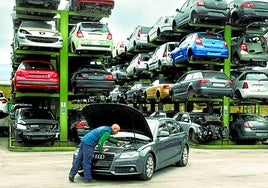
<point>95,137</point>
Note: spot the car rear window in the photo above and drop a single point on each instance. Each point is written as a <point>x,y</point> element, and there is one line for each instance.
<point>37,66</point>
<point>94,27</point>
<point>145,30</point>
<point>217,75</point>
<point>256,76</point>
<point>210,36</point>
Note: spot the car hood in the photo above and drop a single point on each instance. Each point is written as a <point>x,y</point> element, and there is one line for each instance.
<point>129,119</point>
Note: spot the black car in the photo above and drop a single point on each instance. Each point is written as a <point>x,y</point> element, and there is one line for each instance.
<point>202,127</point>
<point>149,144</point>
<point>248,128</point>
<point>92,79</point>
<point>136,93</point>
<point>33,124</point>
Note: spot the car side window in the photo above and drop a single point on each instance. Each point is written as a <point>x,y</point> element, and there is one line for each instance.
<point>184,6</point>
<point>163,128</point>
<point>173,128</point>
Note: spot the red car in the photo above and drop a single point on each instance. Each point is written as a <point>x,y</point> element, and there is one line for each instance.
<point>93,6</point>
<point>36,75</point>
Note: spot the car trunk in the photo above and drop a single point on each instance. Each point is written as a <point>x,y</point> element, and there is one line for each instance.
<point>215,4</point>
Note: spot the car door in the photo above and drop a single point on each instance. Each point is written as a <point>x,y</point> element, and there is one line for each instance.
<point>182,85</point>
<point>152,62</point>
<point>164,145</point>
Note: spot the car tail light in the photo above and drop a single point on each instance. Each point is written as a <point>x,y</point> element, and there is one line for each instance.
<point>248,5</point>
<point>200,3</point>
<point>245,85</point>
<point>81,125</point>
<point>121,46</point>
<point>165,53</point>
<point>21,73</point>
<point>109,77</point>
<point>203,81</point>
<point>3,101</point>
<point>198,41</point>
<point>139,61</point>
<point>84,76</point>
<point>243,46</point>
<point>165,86</point>
<point>246,125</point>
<point>109,36</point>
<point>79,34</point>
<point>229,82</point>
<point>139,33</point>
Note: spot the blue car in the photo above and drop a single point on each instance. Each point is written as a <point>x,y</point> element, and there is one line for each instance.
<point>200,46</point>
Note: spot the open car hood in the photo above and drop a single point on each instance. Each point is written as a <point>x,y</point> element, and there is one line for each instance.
<point>129,119</point>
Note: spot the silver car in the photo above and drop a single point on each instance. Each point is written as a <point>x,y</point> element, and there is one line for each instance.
<point>249,49</point>
<point>3,103</point>
<point>196,11</point>
<point>161,58</point>
<point>138,39</point>
<point>201,83</point>
<point>161,28</point>
<point>38,34</point>
<point>138,65</point>
<point>251,84</point>
<point>244,12</point>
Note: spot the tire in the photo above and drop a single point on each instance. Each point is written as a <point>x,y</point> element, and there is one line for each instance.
<point>148,170</point>
<point>190,93</point>
<point>238,95</point>
<point>184,157</point>
<point>194,18</point>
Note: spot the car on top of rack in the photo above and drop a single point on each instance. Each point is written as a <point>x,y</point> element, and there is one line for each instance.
<point>251,84</point>
<point>136,92</point>
<point>208,46</point>
<point>3,103</point>
<point>91,37</point>
<point>149,144</point>
<point>37,34</point>
<point>158,90</point>
<point>34,124</point>
<point>36,75</point>
<point>162,28</point>
<point>202,11</point>
<point>249,49</point>
<point>201,83</point>
<point>161,58</point>
<point>244,12</point>
<point>92,6</point>
<point>46,4</point>
<point>138,39</point>
<point>138,65</point>
<point>92,78</point>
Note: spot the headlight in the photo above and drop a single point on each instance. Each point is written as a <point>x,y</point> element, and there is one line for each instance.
<point>131,154</point>
<point>21,127</point>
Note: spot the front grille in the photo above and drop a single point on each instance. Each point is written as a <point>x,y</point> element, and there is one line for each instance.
<point>102,164</point>
<point>42,39</point>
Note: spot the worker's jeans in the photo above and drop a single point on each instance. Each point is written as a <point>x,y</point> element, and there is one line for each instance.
<point>85,155</point>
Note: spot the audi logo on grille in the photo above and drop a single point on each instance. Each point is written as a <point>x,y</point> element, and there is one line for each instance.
<point>99,156</point>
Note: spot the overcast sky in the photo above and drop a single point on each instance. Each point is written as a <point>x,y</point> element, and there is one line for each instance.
<point>126,15</point>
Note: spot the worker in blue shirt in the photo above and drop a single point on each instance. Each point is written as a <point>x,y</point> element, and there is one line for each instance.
<point>94,137</point>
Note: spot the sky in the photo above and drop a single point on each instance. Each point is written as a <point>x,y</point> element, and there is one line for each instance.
<point>126,15</point>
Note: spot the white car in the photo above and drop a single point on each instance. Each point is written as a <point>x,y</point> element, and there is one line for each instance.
<point>138,39</point>
<point>161,28</point>
<point>91,37</point>
<point>251,84</point>
<point>38,34</point>
<point>138,65</point>
<point>3,103</point>
<point>120,48</point>
<point>161,58</point>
